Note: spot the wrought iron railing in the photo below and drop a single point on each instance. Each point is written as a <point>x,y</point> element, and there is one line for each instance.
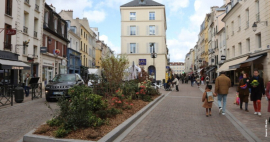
<point>25,29</point>
<point>35,34</point>
<point>6,95</point>
<point>37,7</point>
<point>7,46</point>
<point>36,90</point>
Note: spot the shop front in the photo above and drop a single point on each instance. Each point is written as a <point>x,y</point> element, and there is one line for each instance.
<point>74,61</point>
<point>47,71</point>
<point>10,68</point>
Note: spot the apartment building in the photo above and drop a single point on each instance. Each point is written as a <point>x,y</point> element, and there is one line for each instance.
<point>55,41</point>
<point>21,24</point>
<point>143,32</point>
<point>248,39</point>
<point>177,67</point>
<point>189,62</point>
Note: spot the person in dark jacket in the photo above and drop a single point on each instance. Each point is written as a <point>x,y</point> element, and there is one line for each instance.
<point>243,91</point>
<point>192,79</point>
<point>257,92</point>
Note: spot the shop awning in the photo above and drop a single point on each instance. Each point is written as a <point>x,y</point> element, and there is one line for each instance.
<point>252,59</point>
<point>226,66</point>
<point>211,69</point>
<point>15,65</point>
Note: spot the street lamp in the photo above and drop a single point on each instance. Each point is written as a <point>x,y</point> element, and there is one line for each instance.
<point>153,55</point>
<point>254,26</point>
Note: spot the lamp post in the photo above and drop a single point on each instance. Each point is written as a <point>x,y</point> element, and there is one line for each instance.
<point>153,55</point>
<point>254,26</point>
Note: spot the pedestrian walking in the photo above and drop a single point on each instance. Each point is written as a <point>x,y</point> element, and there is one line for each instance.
<point>192,79</point>
<point>222,85</point>
<point>202,80</point>
<point>27,85</point>
<point>268,96</point>
<point>207,80</point>
<point>256,84</point>
<point>198,80</point>
<point>176,81</point>
<point>243,91</point>
<point>183,79</point>
<point>208,99</point>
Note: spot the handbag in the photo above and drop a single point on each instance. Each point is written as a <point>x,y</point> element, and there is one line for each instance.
<point>210,97</point>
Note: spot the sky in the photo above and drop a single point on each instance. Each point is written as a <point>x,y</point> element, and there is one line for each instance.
<point>184,18</point>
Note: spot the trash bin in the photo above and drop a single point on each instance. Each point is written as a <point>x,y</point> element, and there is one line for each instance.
<point>18,93</point>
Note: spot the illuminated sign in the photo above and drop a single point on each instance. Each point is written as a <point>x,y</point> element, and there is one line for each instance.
<point>17,68</point>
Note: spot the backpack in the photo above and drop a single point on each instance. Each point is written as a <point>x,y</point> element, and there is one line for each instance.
<point>210,97</point>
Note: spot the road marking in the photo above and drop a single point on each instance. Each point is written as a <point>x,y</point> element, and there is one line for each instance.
<point>250,136</point>
<point>129,129</point>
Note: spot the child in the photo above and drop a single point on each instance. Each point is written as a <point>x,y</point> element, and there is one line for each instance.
<point>208,99</point>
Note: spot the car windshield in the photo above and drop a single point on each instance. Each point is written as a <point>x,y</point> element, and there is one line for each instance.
<point>64,78</point>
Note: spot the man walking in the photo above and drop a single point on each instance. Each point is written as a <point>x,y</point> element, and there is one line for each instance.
<point>256,92</point>
<point>192,79</point>
<point>222,85</point>
<point>27,85</point>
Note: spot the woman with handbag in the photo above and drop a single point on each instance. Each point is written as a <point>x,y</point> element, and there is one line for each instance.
<point>268,96</point>
<point>243,92</point>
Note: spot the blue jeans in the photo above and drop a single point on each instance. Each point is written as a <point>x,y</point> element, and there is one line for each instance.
<point>26,89</point>
<point>192,82</point>
<point>224,97</point>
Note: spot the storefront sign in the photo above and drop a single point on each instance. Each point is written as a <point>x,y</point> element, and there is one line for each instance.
<point>57,51</point>
<point>48,63</point>
<point>10,32</point>
<point>43,49</point>
<point>142,62</point>
<point>29,59</point>
<point>17,68</point>
<point>8,55</point>
<point>223,57</point>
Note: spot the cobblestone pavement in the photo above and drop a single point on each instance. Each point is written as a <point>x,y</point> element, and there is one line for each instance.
<point>180,117</point>
<point>253,122</point>
<point>17,120</point>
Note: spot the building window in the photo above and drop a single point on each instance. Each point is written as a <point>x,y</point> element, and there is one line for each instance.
<point>84,47</point>
<point>152,16</point>
<point>240,48</point>
<point>239,23</point>
<point>8,10</point>
<point>46,18</point>
<point>63,30</point>
<point>259,40</point>
<point>132,15</point>
<point>232,28</point>
<point>55,25</point>
<point>248,44</point>
<point>152,30</point>
<point>152,47</point>
<point>233,50</point>
<point>81,45</point>
<point>35,51</point>
<point>132,30</point>
<point>258,11</point>
<point>81,32</point>
<point>7,39</point>
<point>70,43</point>
<point>76,46</point>
<point>24,50</point>
<point>247,18</point>
<point>132,48</point>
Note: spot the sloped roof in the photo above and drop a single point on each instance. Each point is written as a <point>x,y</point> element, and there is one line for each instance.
<point>137,3</point>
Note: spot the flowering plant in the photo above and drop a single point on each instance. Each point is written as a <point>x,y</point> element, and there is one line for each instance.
<point>254,83</point>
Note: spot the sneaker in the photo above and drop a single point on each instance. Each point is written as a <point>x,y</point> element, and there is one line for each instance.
<point>259,114</point>
<point>220,110</point>
<point>255,113</point>
<point>223,113</point>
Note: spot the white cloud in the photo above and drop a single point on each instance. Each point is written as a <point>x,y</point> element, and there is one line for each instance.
<point>77,7</point>
<point>113,47</point>
<point>188,36</point>
<point>95,16</point>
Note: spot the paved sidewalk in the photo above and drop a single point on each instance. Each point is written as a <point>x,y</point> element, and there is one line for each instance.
<point>17,120</point>
<point>180,117</point>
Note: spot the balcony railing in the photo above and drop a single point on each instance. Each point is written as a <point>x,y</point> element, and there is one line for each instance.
<point>258,18</point>
<point>247,24</point>
<point>7,46</point>
<point>25,29</point>
<point>26,1</point>
<point>37,7</point>
<point>35,34</point>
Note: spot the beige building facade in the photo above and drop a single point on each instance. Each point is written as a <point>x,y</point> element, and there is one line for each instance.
<point>177,67</point>
<point>248,48</point>
<point>143,31</point>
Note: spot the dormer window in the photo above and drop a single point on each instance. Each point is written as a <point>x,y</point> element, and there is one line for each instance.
<point>142,2</point>
<point>55,25</point>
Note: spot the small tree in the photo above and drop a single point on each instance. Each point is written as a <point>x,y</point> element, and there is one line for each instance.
<point>114,70</point>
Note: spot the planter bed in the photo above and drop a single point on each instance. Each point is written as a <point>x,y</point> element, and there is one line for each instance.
<point>95,134</point>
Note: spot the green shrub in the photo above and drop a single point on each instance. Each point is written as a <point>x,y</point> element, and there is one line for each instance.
<point>95,121</point>
<point>147,98</point>
<point>61,132</point>
<point>54,122</point>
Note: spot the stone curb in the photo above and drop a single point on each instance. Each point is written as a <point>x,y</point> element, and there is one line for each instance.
<point>30,137</point>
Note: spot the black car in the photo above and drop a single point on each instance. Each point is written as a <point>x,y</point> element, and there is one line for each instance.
<point>60,84</point>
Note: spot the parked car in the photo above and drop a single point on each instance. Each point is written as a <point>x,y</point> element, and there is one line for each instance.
<point>60,84</point>
<point>94,79</point>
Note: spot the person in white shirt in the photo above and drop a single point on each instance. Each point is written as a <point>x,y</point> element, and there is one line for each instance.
<point>176,81</point>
